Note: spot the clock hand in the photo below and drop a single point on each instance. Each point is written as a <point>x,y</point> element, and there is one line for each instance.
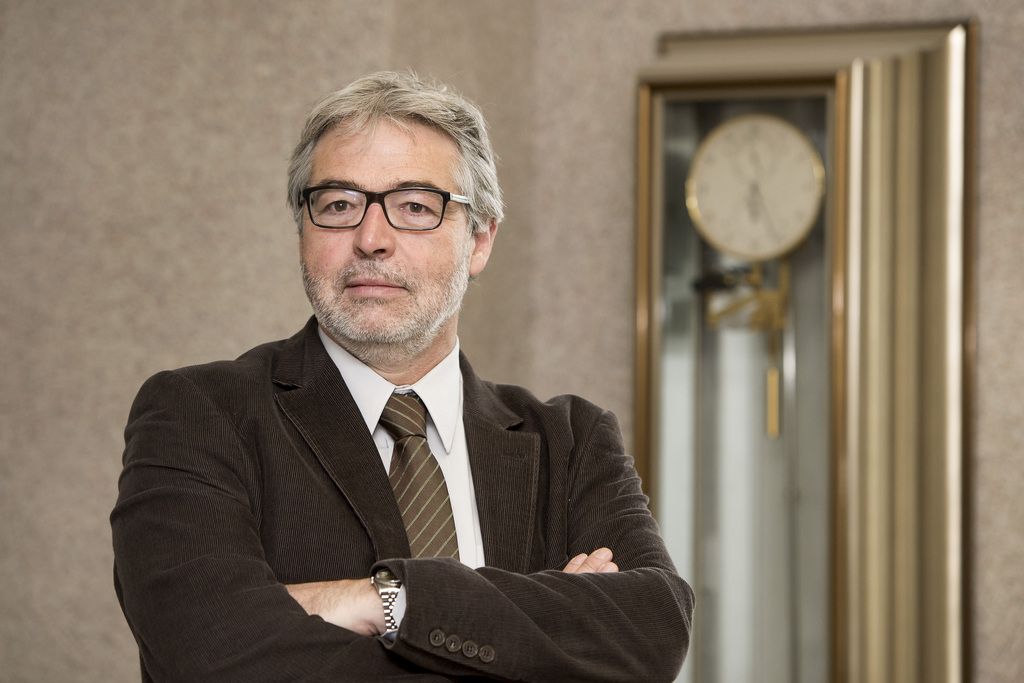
<point>753,203</point>
<point>742,172</point>
<point>758,196</point>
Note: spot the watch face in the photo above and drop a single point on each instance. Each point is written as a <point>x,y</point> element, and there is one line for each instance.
<point>385,579</point>
<point>755,187</point>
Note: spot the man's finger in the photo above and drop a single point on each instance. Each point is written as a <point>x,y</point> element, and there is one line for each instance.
<point>594,562</point>
<point>574,564</point>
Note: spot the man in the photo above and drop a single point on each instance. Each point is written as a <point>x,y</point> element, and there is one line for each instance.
<point>353,503</point>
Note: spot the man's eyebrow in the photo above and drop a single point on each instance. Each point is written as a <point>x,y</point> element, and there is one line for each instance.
<point>418,183</point>
<point>337,182</point>
<point>353,185</point>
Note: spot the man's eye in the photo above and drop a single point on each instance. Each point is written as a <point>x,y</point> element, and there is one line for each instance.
<point>417,209</point>
<point>332,202</point>
<point>339,206</point>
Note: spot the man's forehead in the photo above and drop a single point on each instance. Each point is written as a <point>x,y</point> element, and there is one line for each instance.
<point>393,151</point>
<point>374,132</point>
<point>410,141</point>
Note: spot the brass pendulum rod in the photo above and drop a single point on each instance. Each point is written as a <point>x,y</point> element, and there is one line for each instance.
<point>776,313</point>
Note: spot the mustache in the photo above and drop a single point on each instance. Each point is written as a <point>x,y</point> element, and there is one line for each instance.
<point>375,270</point>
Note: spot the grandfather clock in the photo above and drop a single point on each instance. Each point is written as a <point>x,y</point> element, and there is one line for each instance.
<point>805,313</point>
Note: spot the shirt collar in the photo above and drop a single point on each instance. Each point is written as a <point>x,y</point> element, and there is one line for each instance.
<point>440,389</point>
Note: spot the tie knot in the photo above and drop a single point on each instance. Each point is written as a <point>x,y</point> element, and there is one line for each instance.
<point>405,415</point>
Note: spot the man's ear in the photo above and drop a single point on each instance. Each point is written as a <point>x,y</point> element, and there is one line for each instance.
<point>483,242</point>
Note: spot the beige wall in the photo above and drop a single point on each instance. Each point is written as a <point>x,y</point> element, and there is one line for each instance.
<point>142,159</point>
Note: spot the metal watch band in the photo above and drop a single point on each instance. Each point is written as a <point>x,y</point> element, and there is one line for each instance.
<point>388,596</point>
<point>387,587</point>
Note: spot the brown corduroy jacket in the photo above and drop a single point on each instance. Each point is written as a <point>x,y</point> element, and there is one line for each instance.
<point>242,476</point>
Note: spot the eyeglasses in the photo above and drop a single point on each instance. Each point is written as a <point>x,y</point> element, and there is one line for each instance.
<point>406,208</point>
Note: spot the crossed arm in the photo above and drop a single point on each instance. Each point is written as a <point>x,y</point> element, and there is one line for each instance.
<point>199,593</point>
<point>353,604</point>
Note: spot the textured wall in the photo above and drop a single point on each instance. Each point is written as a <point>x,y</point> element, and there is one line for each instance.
<point>142,158</point>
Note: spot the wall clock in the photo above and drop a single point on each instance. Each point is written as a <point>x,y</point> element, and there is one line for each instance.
<point>755,187</point>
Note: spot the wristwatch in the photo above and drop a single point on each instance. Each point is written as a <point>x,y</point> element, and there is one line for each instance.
<point>387,585</point>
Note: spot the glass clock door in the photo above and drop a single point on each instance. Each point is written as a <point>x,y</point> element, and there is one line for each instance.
<point>743,445</point>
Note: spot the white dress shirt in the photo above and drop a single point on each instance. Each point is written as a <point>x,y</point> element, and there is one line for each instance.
<point>441,392</point>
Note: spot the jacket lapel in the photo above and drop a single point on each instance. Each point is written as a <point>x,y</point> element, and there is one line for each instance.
<point>320,406</point>
<point>504,464</point>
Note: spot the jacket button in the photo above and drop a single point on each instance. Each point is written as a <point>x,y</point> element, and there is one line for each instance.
<point>469,648</point>
<point>437,637</point>
<point>454,643</point>
<point>487,654</point>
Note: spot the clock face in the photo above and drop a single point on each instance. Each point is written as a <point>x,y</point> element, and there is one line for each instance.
<point>755,187</point>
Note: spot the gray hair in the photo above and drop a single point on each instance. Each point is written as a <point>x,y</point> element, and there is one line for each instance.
<point>403,98</point>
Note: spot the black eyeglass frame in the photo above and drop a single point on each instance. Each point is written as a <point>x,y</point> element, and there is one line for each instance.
<point>378,198</point>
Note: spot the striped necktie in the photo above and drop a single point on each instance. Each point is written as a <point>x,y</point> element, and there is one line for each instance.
<point>417,480</point>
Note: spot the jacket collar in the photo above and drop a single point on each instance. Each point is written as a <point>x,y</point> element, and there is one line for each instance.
<point>319,405</point>
<point>503,460</point>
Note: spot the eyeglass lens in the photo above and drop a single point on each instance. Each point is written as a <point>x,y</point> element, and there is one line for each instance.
<point>413,209</point>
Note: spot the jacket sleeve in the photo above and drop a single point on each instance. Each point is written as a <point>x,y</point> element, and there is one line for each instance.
<point>550,626</point>
<point>189,567</point>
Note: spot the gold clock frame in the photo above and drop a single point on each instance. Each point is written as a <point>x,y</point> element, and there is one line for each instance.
<point>900,225</point>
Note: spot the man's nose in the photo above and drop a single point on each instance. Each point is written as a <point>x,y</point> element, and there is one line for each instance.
<point>374,237</point>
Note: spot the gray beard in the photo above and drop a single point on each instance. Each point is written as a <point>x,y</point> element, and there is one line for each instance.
<point>395,343</point>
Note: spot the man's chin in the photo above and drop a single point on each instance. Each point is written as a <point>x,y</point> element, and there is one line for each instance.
<point>357,297</point>
<point>370,332</point>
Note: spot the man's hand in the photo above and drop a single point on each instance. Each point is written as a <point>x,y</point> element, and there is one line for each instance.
<point>598,561</point>
<point>352,604</point>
